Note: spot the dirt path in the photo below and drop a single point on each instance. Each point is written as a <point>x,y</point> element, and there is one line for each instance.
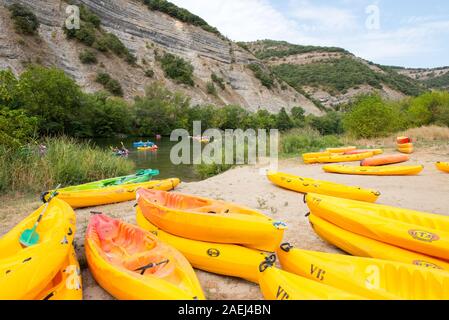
<point>426,192</point>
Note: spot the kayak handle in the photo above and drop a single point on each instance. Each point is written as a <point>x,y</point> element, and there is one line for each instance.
<point>286,247</point>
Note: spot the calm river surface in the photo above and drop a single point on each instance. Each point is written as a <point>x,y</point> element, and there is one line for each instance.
<point>155,160</point>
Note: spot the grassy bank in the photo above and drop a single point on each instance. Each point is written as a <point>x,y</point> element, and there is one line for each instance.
<point>66,161</point>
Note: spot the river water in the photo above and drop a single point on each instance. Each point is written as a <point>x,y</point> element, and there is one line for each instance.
<point>153,159</point>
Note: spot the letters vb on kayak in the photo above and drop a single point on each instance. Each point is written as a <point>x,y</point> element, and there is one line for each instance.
<point>228,147</point>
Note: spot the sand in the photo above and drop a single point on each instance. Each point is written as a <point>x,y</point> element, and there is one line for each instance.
<point>244,185</point>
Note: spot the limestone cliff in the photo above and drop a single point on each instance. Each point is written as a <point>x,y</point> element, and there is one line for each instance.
<point>144,32</point>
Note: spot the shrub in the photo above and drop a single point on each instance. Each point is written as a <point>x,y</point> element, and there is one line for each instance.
<point>219,81</point>
<point>265,78</point>
<point>370,117</point>
<point>177,69</point>
<point>211,88</point>
<point>110,84</point>
<point>25,21</point>
<point>88,57</point>
<point>87,15</point>
<point>149,73</point>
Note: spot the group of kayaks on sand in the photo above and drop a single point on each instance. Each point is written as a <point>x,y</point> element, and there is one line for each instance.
<point>398,253</point>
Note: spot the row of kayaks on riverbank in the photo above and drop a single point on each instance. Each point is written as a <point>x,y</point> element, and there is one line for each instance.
<point>178,232</point>
<point>147,262</point>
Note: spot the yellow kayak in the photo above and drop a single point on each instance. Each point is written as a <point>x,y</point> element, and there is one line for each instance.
<point>277,284</point>
<point>133,264</point>
<point>344,158</point>
<point>66,285</point>
<point>413,230</point>
<point>307,185</point>
<point>225,259</point>
<point>443,166</point>
<point>370,278</point>
<point>210,220</point>
<point>374,171</point>
<point>406,150</point>
<point>361,246</point>
<point>314,155</point>
<point>341,150</point>
<point>109,195</point>
<point>25,272</point>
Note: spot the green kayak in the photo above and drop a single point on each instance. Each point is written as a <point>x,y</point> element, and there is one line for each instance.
<point>139,177</point>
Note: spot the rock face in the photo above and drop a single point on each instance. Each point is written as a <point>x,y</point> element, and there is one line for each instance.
<point>144,32</point>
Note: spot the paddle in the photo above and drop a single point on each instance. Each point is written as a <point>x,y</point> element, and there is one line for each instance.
<point>30,237</point>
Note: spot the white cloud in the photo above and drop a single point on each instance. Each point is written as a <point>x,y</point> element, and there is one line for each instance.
<point>323,17</point>
<point>411,42</point>
<point>244,20</point>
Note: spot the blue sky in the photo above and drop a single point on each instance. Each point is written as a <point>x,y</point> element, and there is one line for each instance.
<point>391,32</point>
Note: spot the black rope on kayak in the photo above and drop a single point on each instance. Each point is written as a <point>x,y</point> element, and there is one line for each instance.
<point>267,263</point>
<point>43,195</point>
<point>307,214</point>
<point>151,265</point>
<point>286,247</point>
<point>304,198</point>
<point>135,205</point>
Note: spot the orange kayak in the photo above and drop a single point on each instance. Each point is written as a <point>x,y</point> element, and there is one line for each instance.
<point>210,220</point>
<point>133,264</point>
<point>359,151</point>
<point>384,160</point>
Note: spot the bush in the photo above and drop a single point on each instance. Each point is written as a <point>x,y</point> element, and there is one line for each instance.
<point>298,141</point>
<point>25,21</point>
<point>88,57</point>
<point>219,81</point>
<point>177,69</point>
<point>149,73</point>
<point>265,78</point>
<point>370,117</point>
<point>66,161</point>
<point>16,128</point>
<point>110,84</point>
<point>87,15</point>
<point>211,88</point>
<point>329,124</point>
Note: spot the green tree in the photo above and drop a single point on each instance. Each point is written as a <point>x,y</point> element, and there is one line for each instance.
<point>16,128</point>
<point>298,116</point>
<point>283,121</point>
<point>51,96</point>
<point>370,116</point>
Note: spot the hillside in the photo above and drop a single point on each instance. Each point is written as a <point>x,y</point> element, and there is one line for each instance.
<point>146,45</point>
<point>125,45</point>
<point>331,75</point>
<point>434,78</point>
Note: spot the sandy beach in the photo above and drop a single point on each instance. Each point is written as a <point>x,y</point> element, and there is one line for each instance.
<point>244,185</point>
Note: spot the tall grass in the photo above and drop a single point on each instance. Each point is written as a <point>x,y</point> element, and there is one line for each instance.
<point>298,141</point>
<point>66,161</point>
<point>421,136</point>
